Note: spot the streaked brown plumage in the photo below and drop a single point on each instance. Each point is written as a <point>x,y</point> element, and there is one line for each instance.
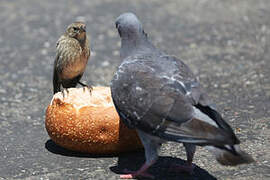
<point>72,53</point>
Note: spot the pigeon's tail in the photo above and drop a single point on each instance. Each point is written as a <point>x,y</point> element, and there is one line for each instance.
<point>230,155</point>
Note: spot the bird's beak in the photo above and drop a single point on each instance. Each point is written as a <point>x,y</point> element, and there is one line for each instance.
<point>116,24</point>
<point>83,28</point>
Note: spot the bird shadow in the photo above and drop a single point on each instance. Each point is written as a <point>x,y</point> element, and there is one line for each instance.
<point>161,169</point>
<point>56,149</point>
<point>133,161</point>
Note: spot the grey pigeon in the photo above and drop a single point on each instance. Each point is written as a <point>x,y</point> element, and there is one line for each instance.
<point>159,96</point>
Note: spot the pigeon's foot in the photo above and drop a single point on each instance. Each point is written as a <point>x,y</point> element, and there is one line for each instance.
<point>187,168</point>
<point>135,174</point>
<point>140,173</point>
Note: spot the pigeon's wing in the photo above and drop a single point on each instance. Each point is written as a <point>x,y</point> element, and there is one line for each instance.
<point>158,95</point>
<point>205,125</point>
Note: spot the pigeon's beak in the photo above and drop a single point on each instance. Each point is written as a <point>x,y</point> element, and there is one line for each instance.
<point>117,24</point>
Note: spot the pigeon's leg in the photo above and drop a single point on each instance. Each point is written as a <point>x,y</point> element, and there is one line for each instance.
<point>151,147</point>
<point>89,87</point>
<point>188,167</point>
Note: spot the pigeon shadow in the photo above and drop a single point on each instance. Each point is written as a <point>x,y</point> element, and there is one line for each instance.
<point>134,160</point>
<point>56,149</point>
<point>161,169</point>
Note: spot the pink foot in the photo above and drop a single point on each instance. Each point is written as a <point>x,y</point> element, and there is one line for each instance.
<point>142,172</point>
<point>132,175</point>
<point>188,168</point>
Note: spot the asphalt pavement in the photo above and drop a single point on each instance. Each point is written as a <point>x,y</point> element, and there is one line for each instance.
<point>225,42</point>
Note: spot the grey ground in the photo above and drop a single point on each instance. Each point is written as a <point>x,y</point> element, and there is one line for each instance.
<point>225,42</point>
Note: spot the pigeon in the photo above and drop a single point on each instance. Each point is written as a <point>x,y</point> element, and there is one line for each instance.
<point>72,54</point>
<point>159,96</point>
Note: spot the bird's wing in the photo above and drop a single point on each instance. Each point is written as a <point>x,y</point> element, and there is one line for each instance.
<point>159,96</point>
<point>66,48</point>
<point>56,83</point>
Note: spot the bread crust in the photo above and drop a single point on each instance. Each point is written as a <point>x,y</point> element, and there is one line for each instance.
<point>89,123</point>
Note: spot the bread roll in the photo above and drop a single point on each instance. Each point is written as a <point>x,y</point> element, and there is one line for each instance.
<point>88,123</point>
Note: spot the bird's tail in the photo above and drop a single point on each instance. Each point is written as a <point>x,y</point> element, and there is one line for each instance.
<point>56,84</point>
<point>230,155</point>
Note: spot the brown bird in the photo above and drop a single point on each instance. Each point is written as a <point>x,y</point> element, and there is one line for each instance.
<point>72,53</point>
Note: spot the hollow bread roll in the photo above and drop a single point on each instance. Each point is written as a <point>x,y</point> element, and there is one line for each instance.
<point>88,123</point>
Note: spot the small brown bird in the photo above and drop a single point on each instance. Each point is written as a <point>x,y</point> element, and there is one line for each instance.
<point>72,53</point>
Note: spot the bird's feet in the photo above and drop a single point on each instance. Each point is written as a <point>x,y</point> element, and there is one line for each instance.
<point>142,172</point>
<point>63,92</point>
<point>135,174</point>
<point>88,87</point>
<point>187,168</point>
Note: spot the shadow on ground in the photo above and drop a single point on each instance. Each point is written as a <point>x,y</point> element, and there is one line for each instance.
<point>56,149</point>
<point>132,161</point>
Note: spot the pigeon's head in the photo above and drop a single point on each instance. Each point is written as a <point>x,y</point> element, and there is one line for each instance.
<point>129,26</point>
<point>77,30</point>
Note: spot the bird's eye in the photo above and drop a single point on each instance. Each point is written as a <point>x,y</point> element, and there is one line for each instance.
<point>75,28</point>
